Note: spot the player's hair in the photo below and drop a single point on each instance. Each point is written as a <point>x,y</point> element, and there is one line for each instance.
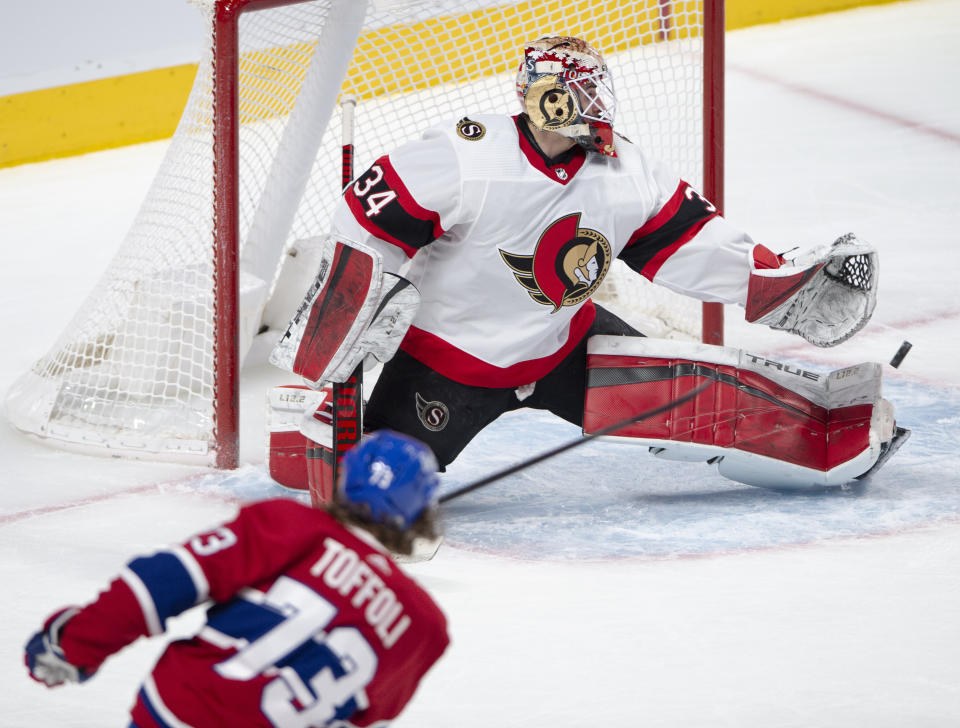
<point>399,541</point>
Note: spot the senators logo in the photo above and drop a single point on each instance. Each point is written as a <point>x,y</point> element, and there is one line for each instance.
<point>433,415</point>
<point>471,130</point>
<point>568,265</point>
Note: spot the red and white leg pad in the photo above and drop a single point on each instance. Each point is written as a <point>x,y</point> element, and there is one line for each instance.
<point>287,406</point>
<point>763,422</point>
<point>317,429</point>
<point>300,440</point>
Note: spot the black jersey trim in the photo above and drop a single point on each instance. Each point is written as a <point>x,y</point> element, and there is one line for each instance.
<point>677,222</point>
<point>384,207</point>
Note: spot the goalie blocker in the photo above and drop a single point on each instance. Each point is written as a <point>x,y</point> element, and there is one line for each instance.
<point>352,311</point>
<point>763,423</point>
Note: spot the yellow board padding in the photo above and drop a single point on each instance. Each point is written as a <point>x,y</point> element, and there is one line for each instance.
<point>146,106</point>
<point>86,117</point>
<point>494,36</point>
<point>488,39</point>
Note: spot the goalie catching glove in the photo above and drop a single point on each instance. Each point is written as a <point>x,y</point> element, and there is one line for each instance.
<point>825,295</point>
<point>353,309</point>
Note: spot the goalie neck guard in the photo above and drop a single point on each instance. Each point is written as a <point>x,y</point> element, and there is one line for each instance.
<point>565,87</point>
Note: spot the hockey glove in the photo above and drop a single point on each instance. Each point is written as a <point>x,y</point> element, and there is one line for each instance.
<point>825,295</point>
<point>353,309</point>
<point>45,659</point>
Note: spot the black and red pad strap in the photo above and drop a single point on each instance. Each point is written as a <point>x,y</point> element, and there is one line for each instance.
<point>676,223</point>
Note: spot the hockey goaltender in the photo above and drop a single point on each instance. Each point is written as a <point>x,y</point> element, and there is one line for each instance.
<point>503,227</point>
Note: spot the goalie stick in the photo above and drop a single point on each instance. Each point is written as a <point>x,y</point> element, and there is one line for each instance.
<point>608,430</point>
<point>347,396</point>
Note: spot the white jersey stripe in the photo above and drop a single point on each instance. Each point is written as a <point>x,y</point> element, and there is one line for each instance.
<point>195,571</point>
<point>144,599</point>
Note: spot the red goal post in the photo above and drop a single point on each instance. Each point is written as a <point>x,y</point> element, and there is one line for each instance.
<point>714,61</point>
<point>150,366</point>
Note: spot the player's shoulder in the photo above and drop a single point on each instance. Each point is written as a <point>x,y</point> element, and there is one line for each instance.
<point>488,128</point>
<point>455,148</point>
<point>476,133</point>
<point>276,505</point>
<point>421,598</point>
<point>429,617</point>
<point>484,144</point>
<point>630,157</point>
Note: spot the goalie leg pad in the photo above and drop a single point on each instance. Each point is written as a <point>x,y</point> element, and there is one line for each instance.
<point>763,423</point>
<point>300,440</point>
<point>317,429</point>
<point>286,444</point>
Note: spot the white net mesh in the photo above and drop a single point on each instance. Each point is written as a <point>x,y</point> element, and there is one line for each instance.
<point>136,372</point>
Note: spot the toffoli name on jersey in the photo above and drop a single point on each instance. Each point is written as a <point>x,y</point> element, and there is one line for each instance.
<point>342,569</point>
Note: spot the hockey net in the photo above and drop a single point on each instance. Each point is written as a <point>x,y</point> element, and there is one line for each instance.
<point>147,367</point>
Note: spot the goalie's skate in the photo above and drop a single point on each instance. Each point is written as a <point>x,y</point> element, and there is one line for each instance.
<point>887,449</point>
<point>424,549</point>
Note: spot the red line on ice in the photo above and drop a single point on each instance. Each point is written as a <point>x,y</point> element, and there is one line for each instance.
<point>849,104</point>
<point>44,510</point>
<point>158,487</point>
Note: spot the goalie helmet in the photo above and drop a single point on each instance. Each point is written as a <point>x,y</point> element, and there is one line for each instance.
<point>565,87</point>
<point>394,476</point>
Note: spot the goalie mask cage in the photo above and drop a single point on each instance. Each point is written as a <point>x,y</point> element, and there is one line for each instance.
<point>149,366</point>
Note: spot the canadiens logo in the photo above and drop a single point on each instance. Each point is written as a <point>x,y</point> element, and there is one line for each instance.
<point>470,130</point>
<point>566,267</point>
<point>434,415</point>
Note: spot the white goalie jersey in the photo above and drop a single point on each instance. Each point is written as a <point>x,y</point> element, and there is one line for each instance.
<point>507,246</point>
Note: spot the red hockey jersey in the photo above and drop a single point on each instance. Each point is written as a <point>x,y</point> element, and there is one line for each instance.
<point>312,624</point>
<point>507,247</point>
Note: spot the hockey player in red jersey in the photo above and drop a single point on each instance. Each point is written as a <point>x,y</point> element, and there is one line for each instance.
<point>505,227</point>
<point>312,623</point>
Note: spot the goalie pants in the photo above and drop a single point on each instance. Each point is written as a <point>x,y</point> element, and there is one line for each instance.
<point>413,399</point>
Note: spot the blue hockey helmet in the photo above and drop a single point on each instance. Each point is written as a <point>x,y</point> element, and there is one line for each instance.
<point>394,475</point>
